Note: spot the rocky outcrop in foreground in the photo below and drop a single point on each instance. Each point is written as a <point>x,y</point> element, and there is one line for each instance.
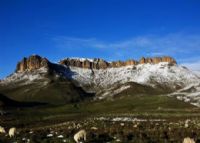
<point>35,62</point>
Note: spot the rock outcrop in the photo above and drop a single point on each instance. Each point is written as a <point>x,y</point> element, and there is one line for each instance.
<point>31,63</point>
<point>157,60</point>
<point>95,64</point>
<point>35,62</point>
<point>102,64</point>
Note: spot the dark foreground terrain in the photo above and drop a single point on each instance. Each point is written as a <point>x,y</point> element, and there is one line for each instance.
<point>136,119</point>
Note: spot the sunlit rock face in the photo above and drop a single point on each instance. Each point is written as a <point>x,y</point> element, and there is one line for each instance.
<point>36,62</point>
<point>31,63</point>
<point>102,64</point>
<point>157,60</point>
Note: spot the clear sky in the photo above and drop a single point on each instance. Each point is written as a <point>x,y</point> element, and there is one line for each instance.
<point>109,29</point>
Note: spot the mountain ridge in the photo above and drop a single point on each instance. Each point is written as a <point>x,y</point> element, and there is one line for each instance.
<point>103,79</point>
<point>36,62</point>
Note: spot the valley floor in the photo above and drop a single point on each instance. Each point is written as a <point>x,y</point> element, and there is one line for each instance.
<point>138,119</point>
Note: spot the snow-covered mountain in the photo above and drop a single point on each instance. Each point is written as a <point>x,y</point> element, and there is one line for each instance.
<point>172,79</point>
<point>161,74</point>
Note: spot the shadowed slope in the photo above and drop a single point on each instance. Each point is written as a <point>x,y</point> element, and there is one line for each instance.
<point>7,102</point>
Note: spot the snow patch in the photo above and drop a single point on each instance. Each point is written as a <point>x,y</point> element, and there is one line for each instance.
<point>111,92</point>
<point>128,119</point>
<point>187,95</point>
<point>80,59</point>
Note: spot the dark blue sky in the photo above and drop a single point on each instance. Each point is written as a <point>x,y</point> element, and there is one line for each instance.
<point>109,29</point>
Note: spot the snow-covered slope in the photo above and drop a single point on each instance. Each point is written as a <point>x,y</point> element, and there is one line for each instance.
<point>25,77</point>
<point>190,94</point>
<point>161,74</point>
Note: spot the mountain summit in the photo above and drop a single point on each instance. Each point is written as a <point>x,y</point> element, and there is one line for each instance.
<point>75,79</point>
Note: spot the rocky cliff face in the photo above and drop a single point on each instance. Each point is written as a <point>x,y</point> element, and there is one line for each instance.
<point>95,64</point>
<point>101,64</point>
<point>157,60</point>
<point>35,62</point>
<point>31,63</point>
